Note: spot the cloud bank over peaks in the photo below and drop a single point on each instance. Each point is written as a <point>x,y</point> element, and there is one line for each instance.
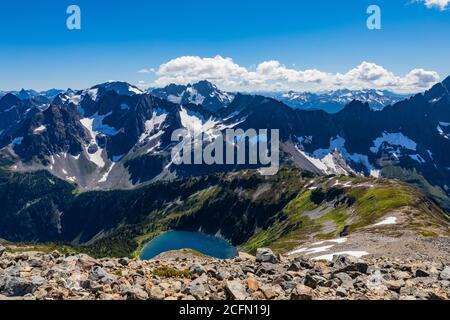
<point>274,76</point>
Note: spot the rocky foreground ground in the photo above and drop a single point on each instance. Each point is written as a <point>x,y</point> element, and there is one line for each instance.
<point>184,275</point>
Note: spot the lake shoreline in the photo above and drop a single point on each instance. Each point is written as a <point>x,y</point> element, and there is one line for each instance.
<point>205,244</point>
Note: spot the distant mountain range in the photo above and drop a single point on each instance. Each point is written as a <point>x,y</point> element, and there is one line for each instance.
<point>30,94</point>
<point>114,135</point>
<point>334,101</point>
<point>210,97</point>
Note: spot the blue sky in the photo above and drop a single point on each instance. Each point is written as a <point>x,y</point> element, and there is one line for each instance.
<point>118,38</point>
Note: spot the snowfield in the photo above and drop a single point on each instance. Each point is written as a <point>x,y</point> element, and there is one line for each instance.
<point>39,130</point>
<point>17,141</point>
<point>387,221</point>
<point>329,257</point>
<point>323,159</point>
<point>158,118</point>
<point>393,139</point>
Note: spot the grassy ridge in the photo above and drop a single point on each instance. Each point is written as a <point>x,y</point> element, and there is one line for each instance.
<point>414,178</point>
<point>324,213</point>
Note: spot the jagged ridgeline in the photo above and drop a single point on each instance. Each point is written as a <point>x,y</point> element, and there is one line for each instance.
<point>250,210</point>
<point>114,135</point>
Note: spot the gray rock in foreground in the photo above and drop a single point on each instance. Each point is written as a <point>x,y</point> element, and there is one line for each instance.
<point>184,276</point>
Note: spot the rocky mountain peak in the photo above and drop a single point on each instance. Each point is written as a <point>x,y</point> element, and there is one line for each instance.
<point>121,88</point>
<point>9,100</point>
<point>357,106</point>
<point>446,81</point>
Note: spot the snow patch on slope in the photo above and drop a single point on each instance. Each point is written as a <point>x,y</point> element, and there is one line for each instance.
<point>39,129</point>
<point>442,133</point>
<point>393,139</point>
<point>17,141</point>
<point>158,118</point>
<point>329,257</point>
<point>324,160</point>
<point>93,93</point>
<point>194,96</point>
<point>195,122</point>
<point>105,176</point>
<point>417,158</point>
<point>387,221</point>
<point>95,157</point>
<point>175,99</point>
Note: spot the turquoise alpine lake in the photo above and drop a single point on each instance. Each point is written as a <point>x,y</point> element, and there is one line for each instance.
<point>175,240</point>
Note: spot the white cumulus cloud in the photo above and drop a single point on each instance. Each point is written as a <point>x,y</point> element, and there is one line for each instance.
<point>441,4</point>
<point>274,76</point>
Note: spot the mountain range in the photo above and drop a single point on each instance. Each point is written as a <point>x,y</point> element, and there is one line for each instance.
<point>115,137</point>
<point>334,101</point>
<point>212,98</point>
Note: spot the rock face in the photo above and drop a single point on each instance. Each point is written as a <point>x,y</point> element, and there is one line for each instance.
<point>185,276</point>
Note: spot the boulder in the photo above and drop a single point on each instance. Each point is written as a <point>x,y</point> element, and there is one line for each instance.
<point>236,290</point>
<point>266,268</point>
<point>304,263</point>
<point>87,262</point>
<point>266,255</point>
<point>248,269</point>
<point>341,292</point>
<point>197,288</point>
<point>124,261</point>
<point>17,287</point>
<point>197,269</point>
<point>312,280</point>
<point>395,285</point>
<point>156,293</point>
<point>137,293</point>
<point>302,292</point>
<point>344,280</point>
<point>401,275</point>
<point>100,275</point>
<point>344,263</point>
<point>288,285</point>
<point>295,267</point>
<point>252,284</point>
<point>223,275</point>
<point>245,256</point>
<point>445,274</point>
<point>176,286</point>
<point>269,292</point>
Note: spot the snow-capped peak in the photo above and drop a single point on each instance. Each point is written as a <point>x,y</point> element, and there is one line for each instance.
<point>121,88</point>
<point>201,93</point>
